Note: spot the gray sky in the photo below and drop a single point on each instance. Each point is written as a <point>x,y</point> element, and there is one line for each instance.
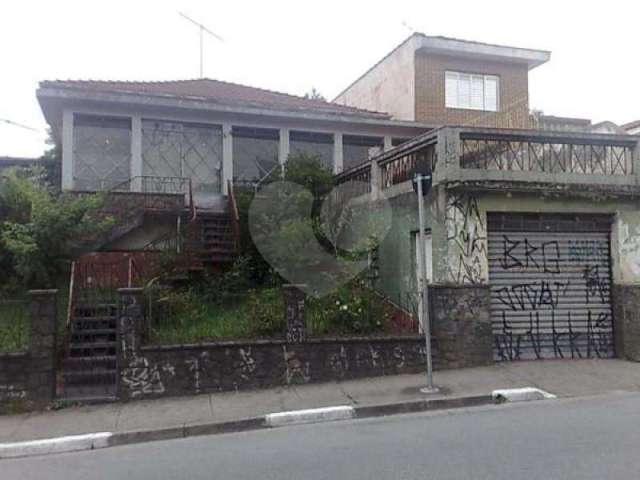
<point>292,46</point>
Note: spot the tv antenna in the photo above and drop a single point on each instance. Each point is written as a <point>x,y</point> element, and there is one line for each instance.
<point>19,125</point>
<point>203,30</point>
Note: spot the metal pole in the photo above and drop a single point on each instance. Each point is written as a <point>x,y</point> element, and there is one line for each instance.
<point>424,308</point>
<point>201,56</point>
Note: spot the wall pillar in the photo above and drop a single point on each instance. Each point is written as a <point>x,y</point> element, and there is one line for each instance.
<point>227,156</point>
<point>461,325</point>
<point>388,143</point>
<point>626,321</point>
<point>283,148</point>
<point>42,372</point>
<point>67,150</point>
<point>129,333</point>
<point>136,153</point>
<point>294,297</point>
<point>338,155</point>
<point>376,184</point>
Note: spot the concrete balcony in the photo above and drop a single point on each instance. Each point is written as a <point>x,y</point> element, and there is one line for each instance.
<point>484,159</point>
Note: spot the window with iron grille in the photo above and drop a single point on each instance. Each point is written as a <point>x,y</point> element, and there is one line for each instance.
<point>189,150</point>
<point>255,153</point>
<point>101,151</point>
<point>320,144</point>
<point>357,149</point>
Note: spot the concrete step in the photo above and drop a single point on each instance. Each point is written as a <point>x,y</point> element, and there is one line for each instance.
<point>82,362</point>
<point>92,376</point>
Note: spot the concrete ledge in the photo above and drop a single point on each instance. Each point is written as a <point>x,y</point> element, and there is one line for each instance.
<point>327,414</point>
<point>73,443</point>
<point>525,394</point>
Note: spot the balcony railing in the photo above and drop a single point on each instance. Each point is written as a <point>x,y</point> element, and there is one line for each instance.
<point>468,154</point>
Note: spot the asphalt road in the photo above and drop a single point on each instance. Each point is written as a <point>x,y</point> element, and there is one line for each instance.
<point>590,438</point>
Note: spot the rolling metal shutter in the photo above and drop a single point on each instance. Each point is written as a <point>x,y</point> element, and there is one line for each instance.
<point>550,286</point>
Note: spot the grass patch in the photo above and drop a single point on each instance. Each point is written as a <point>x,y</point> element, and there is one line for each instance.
<point>15,325</point>
<point>183,317</point>
<point>179,317</point>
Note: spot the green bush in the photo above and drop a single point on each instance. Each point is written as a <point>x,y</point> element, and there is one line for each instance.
<point>41,232</point>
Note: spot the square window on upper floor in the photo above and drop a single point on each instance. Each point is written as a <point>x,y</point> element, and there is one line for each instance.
<point>472,91</point>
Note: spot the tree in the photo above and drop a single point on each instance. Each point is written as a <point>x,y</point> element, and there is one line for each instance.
<point>40,232</point>
<point>314,94</point>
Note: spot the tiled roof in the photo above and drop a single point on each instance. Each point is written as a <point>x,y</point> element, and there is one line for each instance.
<point>224,93</point>
<point>631,125</point>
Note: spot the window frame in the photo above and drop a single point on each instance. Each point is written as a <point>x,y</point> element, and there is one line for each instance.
<point>485,77</point>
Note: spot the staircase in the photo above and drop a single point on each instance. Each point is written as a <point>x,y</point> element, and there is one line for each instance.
<point>218,240</point>
<point>89,367</point>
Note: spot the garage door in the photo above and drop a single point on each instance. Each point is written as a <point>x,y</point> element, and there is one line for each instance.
<point>550,286</point>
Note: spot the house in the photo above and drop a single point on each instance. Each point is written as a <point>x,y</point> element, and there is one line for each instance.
<point>632,128</point>
<point>533,231</point>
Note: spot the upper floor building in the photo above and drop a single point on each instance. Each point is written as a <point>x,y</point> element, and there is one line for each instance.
<point>446,81</point>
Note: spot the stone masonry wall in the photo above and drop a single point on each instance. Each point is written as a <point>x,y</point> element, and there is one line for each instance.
<point>461,325</point>
<point>626,318</point>
<point>28,379</point>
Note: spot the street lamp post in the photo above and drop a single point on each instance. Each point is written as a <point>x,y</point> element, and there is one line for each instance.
<point>422,185</point>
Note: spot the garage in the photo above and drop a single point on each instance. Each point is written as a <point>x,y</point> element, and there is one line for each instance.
<point>550,278</point>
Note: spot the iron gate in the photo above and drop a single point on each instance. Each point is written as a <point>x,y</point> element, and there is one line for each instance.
<point>550,286</point>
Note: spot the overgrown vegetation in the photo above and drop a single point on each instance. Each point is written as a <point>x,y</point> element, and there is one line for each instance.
<point>40,231</point>
<point>247,301</point>
<point>15,325</point>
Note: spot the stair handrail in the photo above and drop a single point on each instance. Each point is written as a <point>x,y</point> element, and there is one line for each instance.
<point>234,216</point>
<point>67,327</point>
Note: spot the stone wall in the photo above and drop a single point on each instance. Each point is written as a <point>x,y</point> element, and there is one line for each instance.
<point>461,325</point>
<point>227,366</point>
<point>626,321</point>
<point>28,379</point>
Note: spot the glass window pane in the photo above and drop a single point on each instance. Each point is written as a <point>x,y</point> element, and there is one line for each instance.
<point>491,94</point>
<point>188,150</point>
<point>451,90</point>
<point>477,92</point>
<point>464,90</point>
<point>320,144</point>
<point>101,151</point>
<point>358,149</point>
<point>255,153</point>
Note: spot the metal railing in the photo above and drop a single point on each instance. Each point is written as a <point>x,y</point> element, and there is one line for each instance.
<point>547,155</point>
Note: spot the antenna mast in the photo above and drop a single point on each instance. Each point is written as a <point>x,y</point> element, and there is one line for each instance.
<point>202,30</point>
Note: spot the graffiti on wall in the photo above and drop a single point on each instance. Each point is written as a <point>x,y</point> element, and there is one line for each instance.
<point>551,298</point>
<point>466,239</point>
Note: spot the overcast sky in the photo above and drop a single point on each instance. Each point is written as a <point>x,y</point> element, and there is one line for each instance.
<point>293,46</point>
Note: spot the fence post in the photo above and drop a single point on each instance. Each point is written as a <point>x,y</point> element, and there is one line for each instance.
<point>42,372</point>
<point>129,334</point>
<point>294,313</point>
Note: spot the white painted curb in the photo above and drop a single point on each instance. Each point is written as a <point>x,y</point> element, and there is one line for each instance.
<point>524,394</point>
<point>314,415</point>
<point>55,445</point>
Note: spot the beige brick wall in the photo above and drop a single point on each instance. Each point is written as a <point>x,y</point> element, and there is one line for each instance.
<point>430,81</point>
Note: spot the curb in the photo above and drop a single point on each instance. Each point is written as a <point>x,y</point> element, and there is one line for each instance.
<point>47,446</point>
<point>94,441</point>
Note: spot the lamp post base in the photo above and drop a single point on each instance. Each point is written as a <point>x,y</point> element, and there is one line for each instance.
<point>430,390</point>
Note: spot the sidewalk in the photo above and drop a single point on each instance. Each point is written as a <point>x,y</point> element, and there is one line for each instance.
<point>562,378</point>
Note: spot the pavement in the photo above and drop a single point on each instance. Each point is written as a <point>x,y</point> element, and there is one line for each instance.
<point>577,438</point>
<point>565,378</point>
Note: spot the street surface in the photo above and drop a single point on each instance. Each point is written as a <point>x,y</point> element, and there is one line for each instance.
<point>588,438</point>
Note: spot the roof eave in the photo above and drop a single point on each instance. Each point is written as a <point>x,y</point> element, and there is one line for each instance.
<point>46,93</point>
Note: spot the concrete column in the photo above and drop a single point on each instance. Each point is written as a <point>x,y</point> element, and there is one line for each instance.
<point>283,148</point>
<point>67,150</point>
<point>42,373</point>
<point>227,156</point>
<point>388,143</point>
<point>294,313</point>
<point>130,330</point>
<point>136,153</point>
<point>635,160</point>
<point>338,159</point>
<point>376,185</point>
